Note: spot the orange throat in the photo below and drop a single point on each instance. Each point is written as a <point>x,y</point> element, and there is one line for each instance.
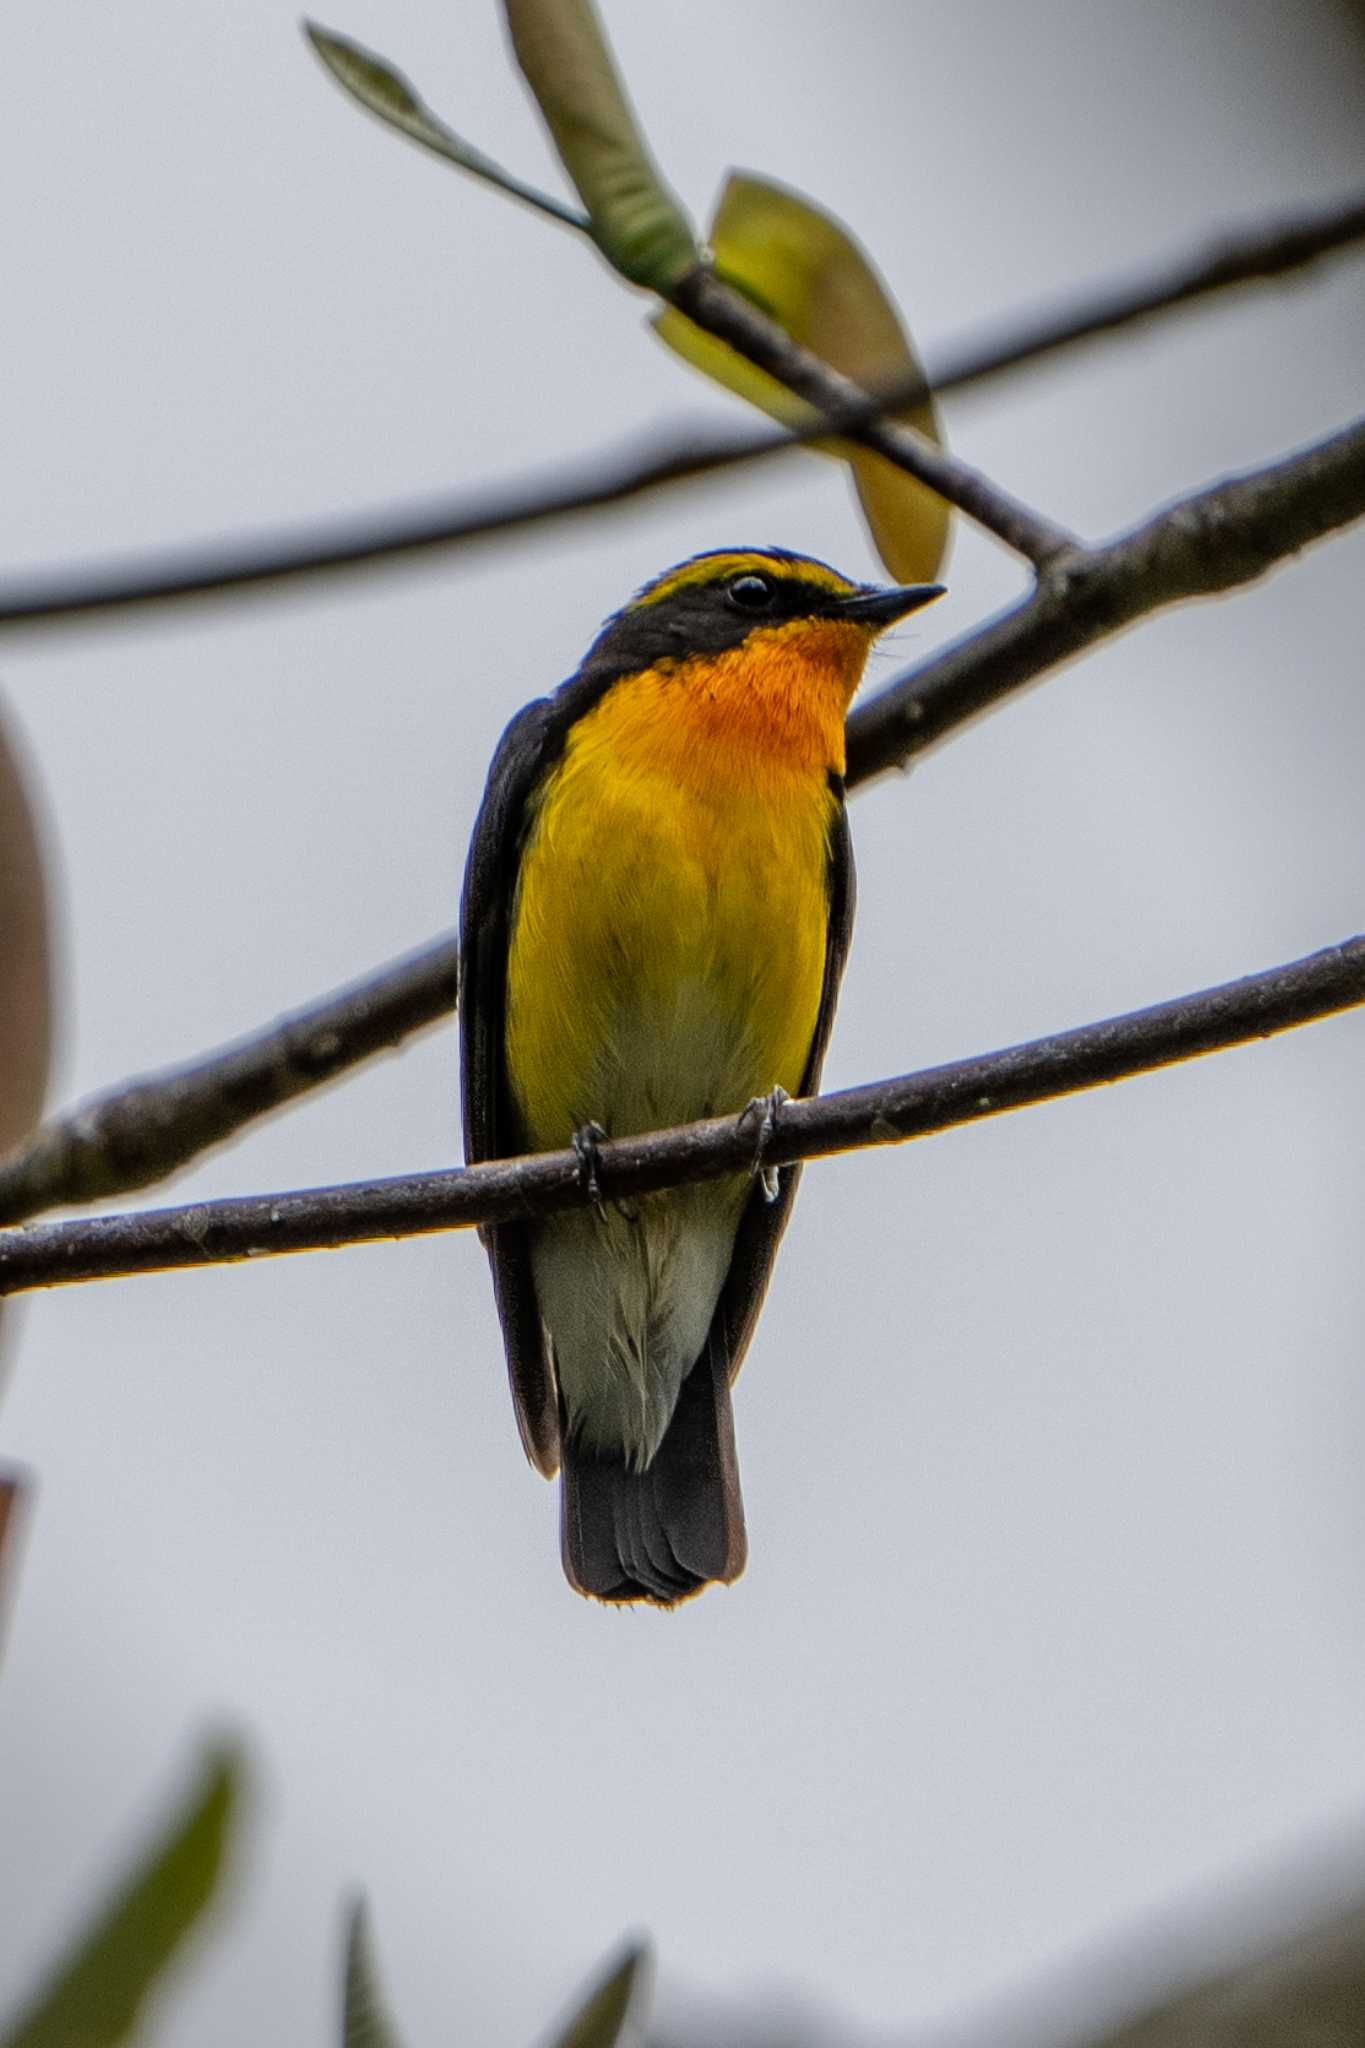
<point>778,702</point>
<point>669,941</point>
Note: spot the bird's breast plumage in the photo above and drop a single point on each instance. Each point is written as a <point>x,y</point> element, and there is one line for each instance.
<point>666,962</point>
<point>668,940</point>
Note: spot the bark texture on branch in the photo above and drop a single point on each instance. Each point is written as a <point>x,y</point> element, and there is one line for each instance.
<point>881,1113</point>
<point>144,1130</point>
<point>725,313</point>
<point>1213,541</point>
<point>1217,538</point>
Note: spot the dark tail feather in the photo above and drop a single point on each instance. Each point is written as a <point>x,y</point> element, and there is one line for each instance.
<point>666,1532</point>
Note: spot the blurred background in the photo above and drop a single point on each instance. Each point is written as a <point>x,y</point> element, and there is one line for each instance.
<point>1053,1429</point>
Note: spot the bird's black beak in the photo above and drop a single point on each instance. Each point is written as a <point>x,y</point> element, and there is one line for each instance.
<point>871,606</point>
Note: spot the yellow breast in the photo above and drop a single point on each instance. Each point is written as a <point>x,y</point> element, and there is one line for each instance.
<point>669,933</point>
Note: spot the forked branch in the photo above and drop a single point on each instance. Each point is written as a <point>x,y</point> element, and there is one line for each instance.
<point>437,529</point>
<point>1209,542</point>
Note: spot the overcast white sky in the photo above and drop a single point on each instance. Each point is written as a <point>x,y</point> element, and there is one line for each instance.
<point>1053,1429</point>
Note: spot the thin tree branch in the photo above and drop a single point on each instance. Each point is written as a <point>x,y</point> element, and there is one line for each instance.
<point>1256,253</point>
<point>724,312</point>
<point>54,598</point>
<point>141,1131</point>
<point>1213,541</point>
<point>882,1113</point>
<point>440,526</point>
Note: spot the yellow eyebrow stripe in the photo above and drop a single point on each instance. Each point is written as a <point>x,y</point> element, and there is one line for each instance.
<point>717,568</point>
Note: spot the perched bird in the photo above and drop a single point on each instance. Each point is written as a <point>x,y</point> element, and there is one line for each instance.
<point>655,917</point>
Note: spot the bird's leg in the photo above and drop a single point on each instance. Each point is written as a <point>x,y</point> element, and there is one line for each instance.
<point>763,1110</point>
<point>586,1140</point>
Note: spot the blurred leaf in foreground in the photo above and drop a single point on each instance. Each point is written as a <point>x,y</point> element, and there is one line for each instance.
<point>803,268</point>
<point>615,2012</point>
<point>12,1492</point>
<point>365,2022</point>
<point>25,990</point>
<point>97,1994</point>
<point>25,1029</point>
<point>612,2015</point>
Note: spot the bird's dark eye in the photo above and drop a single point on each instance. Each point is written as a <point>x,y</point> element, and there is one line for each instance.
<point>751,593</point>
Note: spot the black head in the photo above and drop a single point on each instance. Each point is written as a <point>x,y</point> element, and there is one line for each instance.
<point>717,601</point>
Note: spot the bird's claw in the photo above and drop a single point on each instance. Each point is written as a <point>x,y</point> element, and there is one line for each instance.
<point>586,1140</point>
<point>763,1110</point>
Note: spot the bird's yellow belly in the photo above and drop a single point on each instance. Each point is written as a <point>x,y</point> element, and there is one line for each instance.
<point>669,935</point>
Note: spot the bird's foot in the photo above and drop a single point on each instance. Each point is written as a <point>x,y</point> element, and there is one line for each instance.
<point>586,1140</point>
<point>763,1110</point>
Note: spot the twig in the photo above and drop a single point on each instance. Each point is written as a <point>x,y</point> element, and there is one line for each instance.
<point>1254,254</point>
<point>142,1130</point>
<point>1212,541</point>
<point>726,313</point>
<point>334,547</point>
<point>340,546</point>
<point>882,1113</point>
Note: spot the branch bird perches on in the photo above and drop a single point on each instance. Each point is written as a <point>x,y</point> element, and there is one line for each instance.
<point>881,1113</point>
<point>1209,542</point>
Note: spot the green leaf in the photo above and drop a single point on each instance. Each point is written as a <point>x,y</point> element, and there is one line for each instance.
<point>637,222</point>
<point>806,271</point>
<point>385,92</point>
<point>365,2021</point>
<point>96,1995</point>
<point>615,2012</point>
<point>634,219</point>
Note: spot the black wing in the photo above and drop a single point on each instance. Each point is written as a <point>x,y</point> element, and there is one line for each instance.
<point>526,749</point>
<point>762,1222</point>
<point>530,746</point>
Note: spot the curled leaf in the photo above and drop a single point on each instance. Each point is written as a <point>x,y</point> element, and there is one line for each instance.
<point>805,270</point>
<point>637,222</point>
<point>382,90</point>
